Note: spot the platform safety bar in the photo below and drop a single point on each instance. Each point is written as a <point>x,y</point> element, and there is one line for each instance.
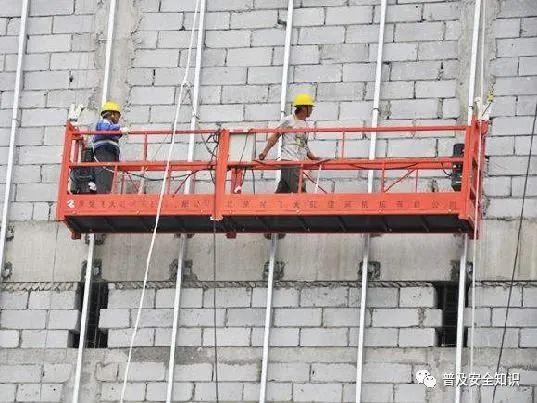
<point>74,137</point>
<point>220,165</point>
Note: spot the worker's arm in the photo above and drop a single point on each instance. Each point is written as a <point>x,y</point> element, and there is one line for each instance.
<point>311,156</point>
<point>272,140</point>
<point>104,125</point>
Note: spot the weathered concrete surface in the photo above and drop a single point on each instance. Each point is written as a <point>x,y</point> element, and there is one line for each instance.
<point>390,370</point>
<point>496,250</point>
<point>55,256</point>
<point>124,257</point>
<point>415,257</point>
<point>44,251</point>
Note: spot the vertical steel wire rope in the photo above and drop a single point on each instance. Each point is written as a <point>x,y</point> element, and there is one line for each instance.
<point>91,237</point>
<point>274,237</point>
<point>464,256</point>
<point>477,210</point>
<point>15,123</point>
<point>183,238</point>
<point>370,177</point>
<point>159,206</point>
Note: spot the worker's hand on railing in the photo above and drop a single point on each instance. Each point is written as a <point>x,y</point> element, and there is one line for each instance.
<point>262,155</point>
<point>124,130</point>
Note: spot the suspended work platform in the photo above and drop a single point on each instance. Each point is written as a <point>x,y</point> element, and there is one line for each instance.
<point>131,207</point>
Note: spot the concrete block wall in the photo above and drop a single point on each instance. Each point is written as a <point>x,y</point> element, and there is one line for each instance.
<point>34,319</point>
<point>491,302</point>
<point>33,382</point>
<point>312,374</point>
<point>325,319</point>
<point>513,45</point>
<point>308,317</point>
<point>59,69</point>
<point>312,353</point>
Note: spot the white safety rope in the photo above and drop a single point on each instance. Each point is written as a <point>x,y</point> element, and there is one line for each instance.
<point>370,179</point>
<point>274,237</point>
<point>478,192</point>
<point>161,197</point>
<point>91,237</point>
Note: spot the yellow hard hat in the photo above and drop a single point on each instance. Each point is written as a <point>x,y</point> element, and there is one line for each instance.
<point>110,106</point>
<point>303,100</point>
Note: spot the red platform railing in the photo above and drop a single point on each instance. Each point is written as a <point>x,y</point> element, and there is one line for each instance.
<point>85,212</point>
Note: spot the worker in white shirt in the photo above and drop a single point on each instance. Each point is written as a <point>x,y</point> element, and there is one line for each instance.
<point>294,145</point>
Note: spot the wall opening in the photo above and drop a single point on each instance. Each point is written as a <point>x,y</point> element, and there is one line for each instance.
<point>448,293</point>
<point>95,337</point>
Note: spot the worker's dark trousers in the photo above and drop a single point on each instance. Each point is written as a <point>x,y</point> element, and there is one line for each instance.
<point>289,181</point>
<point>104,176</point>
<point>288,184</point>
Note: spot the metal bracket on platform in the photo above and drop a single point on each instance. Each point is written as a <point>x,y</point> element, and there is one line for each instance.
<point>279,267</point>
<point>373,270</point>
<point>7,271</point>
<point>485,202</point>
<point>470,270</point>
<point>10,233</point>
<point>188,236</point>
<point>74,112</point>
<point>96,272</point>
<point>454,275</point>
<point>99,239</point>
<point>188,274</point>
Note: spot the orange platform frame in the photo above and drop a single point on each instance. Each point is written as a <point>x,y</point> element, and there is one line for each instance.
<point>381,211</point>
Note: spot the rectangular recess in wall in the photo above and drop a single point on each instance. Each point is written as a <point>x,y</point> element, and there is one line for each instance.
<point>95,337</point>
<point>447,293</point>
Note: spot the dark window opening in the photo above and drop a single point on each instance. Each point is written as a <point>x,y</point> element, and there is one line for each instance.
<point>448,293</point>
<point>95,337</point>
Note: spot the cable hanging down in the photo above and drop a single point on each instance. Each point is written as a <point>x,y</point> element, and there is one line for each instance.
<point>478,195</point>
<point>517,251</point>
<point>159,206</point>
<point>214,315</point>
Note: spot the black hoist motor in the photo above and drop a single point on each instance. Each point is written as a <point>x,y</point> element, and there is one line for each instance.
<point>456,173</point>
<point>83,178</point>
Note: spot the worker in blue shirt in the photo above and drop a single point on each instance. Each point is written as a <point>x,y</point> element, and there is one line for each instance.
<point>106,147</point>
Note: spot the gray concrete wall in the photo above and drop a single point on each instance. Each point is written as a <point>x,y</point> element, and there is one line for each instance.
<point>303,374</point>
<point>313,344</point>
<point>321,257</point>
